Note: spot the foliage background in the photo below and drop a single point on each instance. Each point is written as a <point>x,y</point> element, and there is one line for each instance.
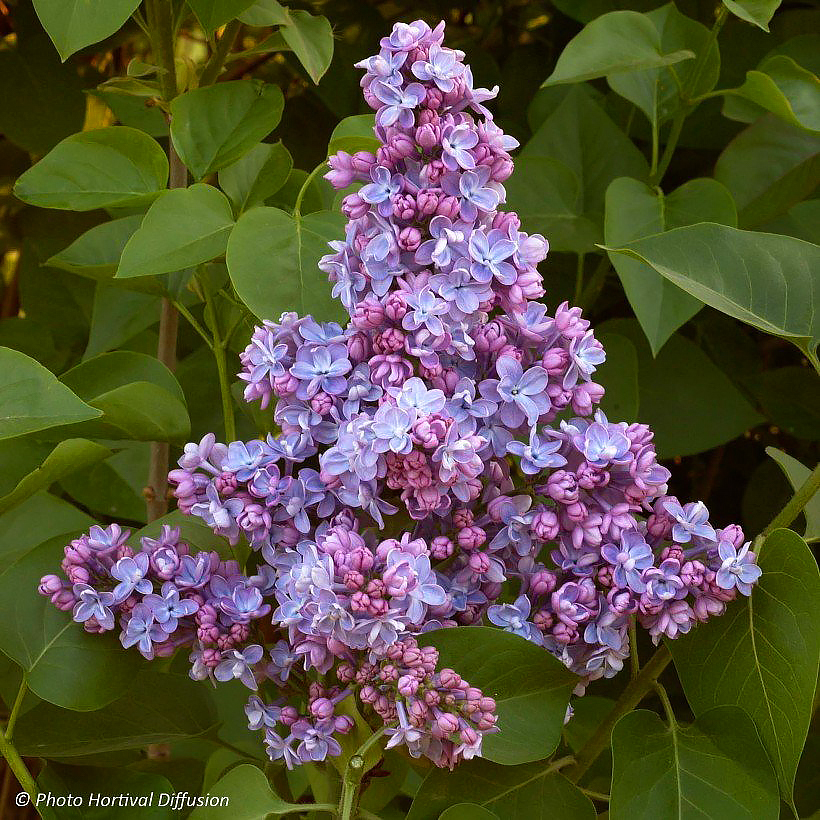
<point>717,392</point>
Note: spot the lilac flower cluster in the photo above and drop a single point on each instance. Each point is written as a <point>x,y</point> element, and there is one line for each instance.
<point>438,462</point>
<point>163,596</point>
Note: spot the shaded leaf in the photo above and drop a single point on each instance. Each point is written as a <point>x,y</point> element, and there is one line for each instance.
<point>688,402</point>
<point>33,399</point>
<point>109,167</point>
<point>258,175</point>
<point>528,792</point>
<point>619,376</point>
<point>621,41</point>
<point>117,316</point>
<point>157,707</point>
<point>634,210</point>
<point>214,126</point>
<point>467,811</point>
<point>581,137</point>
<point>768,168</point>
<point>714,768</point>
<point>183,228</point>
<point>763,654</point>
<point>790,398</point>
<point>215,13</point>
<point>769,281</point>
<point>354,134</point>
<point>96,253</point>
<point>67,457</point>
<point>797,474</point>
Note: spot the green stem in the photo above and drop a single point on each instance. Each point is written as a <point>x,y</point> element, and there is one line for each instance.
<point>16,764</point>
<point>687,104</point>
<point>214,65</point>
<point>802,496</point>
<point>635,664</point>
<point>352,778</point>
<point>297,206</point>
<point>16,706</point>
<point>579,279</point>
<point>629,699</point>
<point>161,28</point>
<point>655,148</point>
<point>191,319</point>
<point>604,798</point>
<point>667,705</point>
<point>218,348</point>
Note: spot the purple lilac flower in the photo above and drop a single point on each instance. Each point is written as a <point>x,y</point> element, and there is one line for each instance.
<point>629,560</point>
<point>239,664</point>
<point>514,618</point>
<point>93,604</point>
<point>142,631</point>
<point>441,67</point>
<point>738,568</point>
<point>322,368</point>
<point>488,252</point>
<point>538,454</point>
<point>520,394</point>
<point>167,608</point>
<point>131,572</point>
<point>690,520</point>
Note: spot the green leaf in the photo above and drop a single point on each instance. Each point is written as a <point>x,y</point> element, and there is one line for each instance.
<point>689,403</point>
<point>272,258</point>
<point>258,175</point>
<point>109,167</point>
<point>66,665</point>
<point>139,396</point>
<point>215,13</point>
<point>183,228</point>
<point>467,811</point>
<point>781,86</point>
<point>619,376</point>
<point>768,168</point>
<point>266,13</point>
<point>311,38</point>
<point>634,210</point>
<point>714,768</point>
<point>799,221</point>
<point>33,399</point>
<point>528,792</point>
<point>530,686</point>
<point>762,654</point>
<point>769,281</point>
<point>249,794</point>
<point>354,134</point>
<point>36,520</point>
<point>114,487</point>
<point>613,43</point>
<point>790,399</point>
<point>96,253</point>
<point>43,100</point>
<point>74,24</point>
<point>214,126</point>
<point>758,12</point>
<point>83,781</point>
<point>156,708</point>
<point>656,90</point>
<point>117,316</point>
<point>67,457</point>
<point>797,474</point>
<point>583,139</point>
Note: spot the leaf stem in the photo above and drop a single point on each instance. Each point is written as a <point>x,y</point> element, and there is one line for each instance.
<point>795,506</point>
<point>634,660</point>
<point>352,778</point>
<point>218,348</point>
<point>297,206</point>
<point>210,73</point>
<point>604,798</point>
<point>667,704</point>
<point>16,706</point>
<point>629,699</point>
<point>8,750</point>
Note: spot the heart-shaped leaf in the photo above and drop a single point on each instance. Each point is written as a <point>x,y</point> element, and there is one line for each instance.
<point>763,654</point>
<point>214,126</point>
<point>311,39</point>
<point>714,768</point>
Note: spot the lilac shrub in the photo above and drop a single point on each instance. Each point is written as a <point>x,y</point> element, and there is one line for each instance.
<point>439,462</point>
